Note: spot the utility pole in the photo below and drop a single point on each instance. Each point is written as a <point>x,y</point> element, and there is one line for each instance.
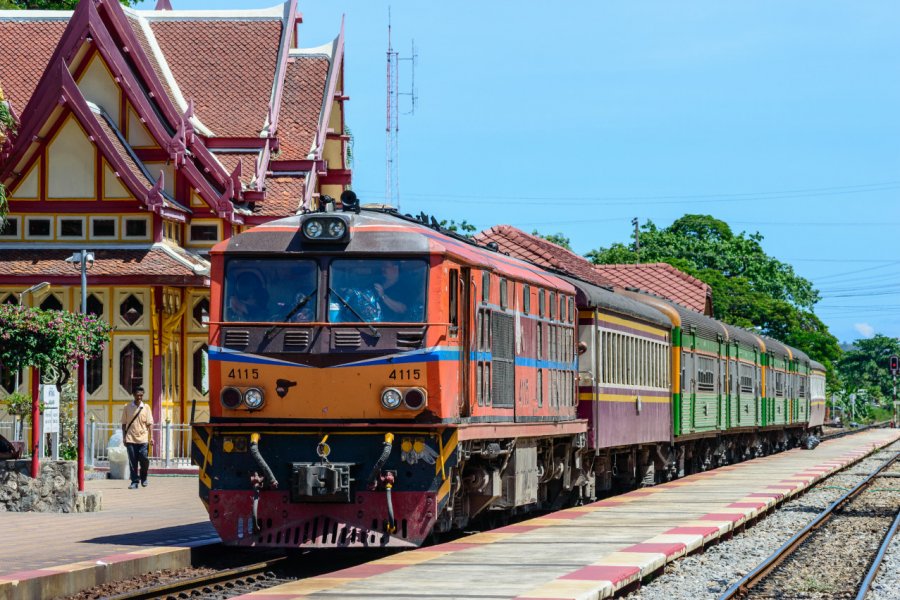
<point>637,239</point>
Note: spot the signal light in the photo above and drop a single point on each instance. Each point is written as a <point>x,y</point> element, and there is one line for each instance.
<point>895,364</point>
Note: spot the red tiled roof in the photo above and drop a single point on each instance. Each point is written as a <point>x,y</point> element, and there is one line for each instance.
<point>151,264</point>
<point>661,279</point>
<point>226,66</point>
<point>541,252</point>
<point>151,57</point>
<point>230,160</point>
<point>123,152</point>
<point>301,105</point>
<point>25,49</point>
<point>283,196</point>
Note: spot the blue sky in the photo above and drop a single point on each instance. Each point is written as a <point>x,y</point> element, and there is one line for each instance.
<point>777,116</point>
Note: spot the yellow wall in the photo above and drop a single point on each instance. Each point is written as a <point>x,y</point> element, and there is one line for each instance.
<point>71,163</point>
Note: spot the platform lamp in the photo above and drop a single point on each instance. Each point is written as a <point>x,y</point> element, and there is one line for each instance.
<point>85,260</point>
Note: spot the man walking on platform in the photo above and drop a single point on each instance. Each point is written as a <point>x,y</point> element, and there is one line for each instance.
<point>137,422</point>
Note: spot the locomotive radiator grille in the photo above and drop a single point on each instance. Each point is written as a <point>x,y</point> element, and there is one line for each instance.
<point>503,352</point>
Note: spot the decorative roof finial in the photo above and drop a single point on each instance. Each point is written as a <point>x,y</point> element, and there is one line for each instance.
<point>163,5</point>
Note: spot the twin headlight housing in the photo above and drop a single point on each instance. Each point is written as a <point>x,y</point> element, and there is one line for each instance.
<point>252,398</point>
<point>325,228</point>
<point>409,398</point>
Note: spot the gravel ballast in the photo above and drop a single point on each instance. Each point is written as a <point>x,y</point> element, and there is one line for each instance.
<point>709,574</point>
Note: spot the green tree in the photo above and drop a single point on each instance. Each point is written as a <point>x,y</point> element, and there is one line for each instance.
<point>865,366</point>
<point>463,227</point>
<point>556,238</point>
<point>750,288</point>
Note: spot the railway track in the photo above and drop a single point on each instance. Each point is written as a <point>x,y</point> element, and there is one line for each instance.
<point>851,431</point>
<point>849,539</point>
<point>221,584</point>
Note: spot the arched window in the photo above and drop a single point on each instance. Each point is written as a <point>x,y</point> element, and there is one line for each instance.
<point>200,379</point>
<point>131,367</point>
<point>131,310</point>
<point>51,303</point>
<point>10,299</point>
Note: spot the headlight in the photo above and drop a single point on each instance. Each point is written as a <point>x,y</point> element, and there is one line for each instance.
<point>336,229</point>
<point>414,399</point>
<point>231,398</point>
<point>390,398</point>
<point>313,229</point>
<point>253,398</point>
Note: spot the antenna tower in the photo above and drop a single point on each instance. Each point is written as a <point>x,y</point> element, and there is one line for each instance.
<point>392,127</point>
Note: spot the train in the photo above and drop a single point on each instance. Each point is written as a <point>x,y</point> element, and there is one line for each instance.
<point>376,381</point>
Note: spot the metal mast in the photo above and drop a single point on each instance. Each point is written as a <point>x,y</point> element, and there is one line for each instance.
<point>392,128</point>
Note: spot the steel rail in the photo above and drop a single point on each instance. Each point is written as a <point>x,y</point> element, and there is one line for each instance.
<point>873,570</point>
<point>185,585</point>
<point>840,434</point>
<point>751,579</point>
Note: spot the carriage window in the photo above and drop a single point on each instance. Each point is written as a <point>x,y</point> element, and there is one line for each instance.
<point>270,290</point>
<point>377,291</point>
<point>541,300</point>
<point>706,377</point>
<point>454,301</point>
<point>526,299</point>
<point>779,383</point>
<point>503,293</point>
<point>485,286</point>
<point>552,304</point>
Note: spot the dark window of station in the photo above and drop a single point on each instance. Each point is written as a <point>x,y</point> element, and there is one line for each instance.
<point>9,228</point>
<point>526,299</point>
<point>503,293</point>
<point>103,228</point>
<point>94,305</point>
<point>200,379</point>
<point>131,310</point>
<point>204,233</point>
<point>94,375</point>
<point>8,379</point>
<point>135,228</point>
<point>201,312</point>
<point>71,228</point>
<point>11,300</point>
<point>131,367</point>
<point>485,286</point>
<point>39,227</point>
<point>51,303</point>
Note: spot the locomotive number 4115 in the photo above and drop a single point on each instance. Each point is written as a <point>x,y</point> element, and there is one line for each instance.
<point>405,374</point>
<point>243,373</point>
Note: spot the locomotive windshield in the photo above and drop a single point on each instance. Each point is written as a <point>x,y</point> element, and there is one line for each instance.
<point>377,291</point>
<point>270,290</point>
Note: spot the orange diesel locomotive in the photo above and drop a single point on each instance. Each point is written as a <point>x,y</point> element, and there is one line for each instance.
<point>374,379</point>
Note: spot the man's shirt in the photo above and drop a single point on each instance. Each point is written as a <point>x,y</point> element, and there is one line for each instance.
<point>139,432</point>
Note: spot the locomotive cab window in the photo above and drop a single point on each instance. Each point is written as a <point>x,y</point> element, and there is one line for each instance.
<point>270,290</point>
<point>377,291</point>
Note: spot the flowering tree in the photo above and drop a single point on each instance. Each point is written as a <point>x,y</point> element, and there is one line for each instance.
<point>50,340</point>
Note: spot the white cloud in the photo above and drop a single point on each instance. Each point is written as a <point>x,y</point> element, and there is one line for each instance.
<point>864,329</point>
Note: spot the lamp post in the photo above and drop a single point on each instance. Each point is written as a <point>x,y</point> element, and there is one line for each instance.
<point>85,260</point>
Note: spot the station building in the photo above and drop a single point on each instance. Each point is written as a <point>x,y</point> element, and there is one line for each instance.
<point>146,137</point>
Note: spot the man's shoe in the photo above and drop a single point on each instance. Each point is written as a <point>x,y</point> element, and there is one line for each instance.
<point>144,483</point>
<point>133,486</point>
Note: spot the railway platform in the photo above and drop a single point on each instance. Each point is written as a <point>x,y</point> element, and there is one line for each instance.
<point>592,551</point>
<point>44,555</point>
